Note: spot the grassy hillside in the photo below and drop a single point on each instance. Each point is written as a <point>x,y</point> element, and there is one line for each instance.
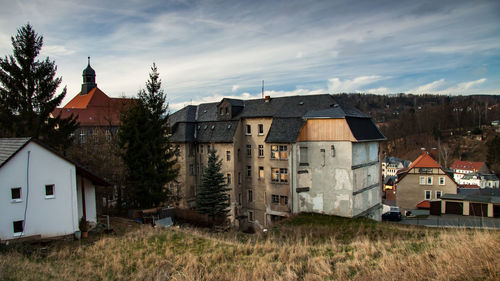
<point>307,247</point>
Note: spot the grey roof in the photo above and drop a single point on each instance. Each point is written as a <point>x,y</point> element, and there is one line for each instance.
<point>285,130</point>
<point>221,131</point>
<point>288,115</point>
<point>9,147</point>
<point>363,129</point>
<point>484,195</point>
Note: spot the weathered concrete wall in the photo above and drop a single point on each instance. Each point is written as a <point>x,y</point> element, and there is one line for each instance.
<point>329,178</point>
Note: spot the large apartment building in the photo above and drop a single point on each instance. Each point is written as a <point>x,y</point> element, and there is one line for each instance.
<point>282,156</point>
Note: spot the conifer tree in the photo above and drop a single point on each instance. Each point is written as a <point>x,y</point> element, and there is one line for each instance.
<point>146,148</point>
<point>212,198</point>
<point>27,93</point>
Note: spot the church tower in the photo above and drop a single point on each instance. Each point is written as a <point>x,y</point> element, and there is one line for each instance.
<point>88,80</point>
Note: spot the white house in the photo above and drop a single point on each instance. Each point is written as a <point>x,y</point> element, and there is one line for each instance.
<point>42,193</point>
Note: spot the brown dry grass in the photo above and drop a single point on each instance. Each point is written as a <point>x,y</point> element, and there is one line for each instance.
<point>292,251</point>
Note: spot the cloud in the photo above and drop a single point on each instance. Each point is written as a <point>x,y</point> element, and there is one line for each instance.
<point>468,85</point>
<point>428,88</point>
<point>56,50</point>
<point>235,88</point>
<point>336,85</point>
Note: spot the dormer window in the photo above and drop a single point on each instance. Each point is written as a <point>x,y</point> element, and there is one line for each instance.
<point>221,111</point>
<point>227,111</point>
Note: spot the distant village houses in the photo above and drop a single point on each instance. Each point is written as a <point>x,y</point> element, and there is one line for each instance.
<point>282,156</point>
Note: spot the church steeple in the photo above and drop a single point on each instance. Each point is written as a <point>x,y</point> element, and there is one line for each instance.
<point>88,79</point>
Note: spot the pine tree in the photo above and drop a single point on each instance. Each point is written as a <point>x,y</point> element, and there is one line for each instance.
<point>27,89</point>
<point>212,198</point>
<point>146,148</point>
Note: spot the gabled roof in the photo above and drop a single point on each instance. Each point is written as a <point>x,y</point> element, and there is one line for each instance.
<point>9,147</point>
<point>467,165</point>
<point>424,161</point>
<point>94,108</point>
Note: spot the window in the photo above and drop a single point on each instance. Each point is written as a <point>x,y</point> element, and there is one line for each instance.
<point>429,180</point>
<point>221,111</point>
<point>228,176</point>
<point>261,172</point>
<point>49,191</point>
<point>16,194</point>
<point>250,215</point>
<point>227,111</point>
<point>303,156</point>
<point>422,180</point>
<point>248,130</point>
<point>249,150</point>
<point>239,178</point>
<point>441,181</point>
<point>239,198</point>
<point>82,137</point>
<point>201,148</point>
<point>283,152</point>
<point>279,152</point>
<point>283,200</point>
<point>279,175</point>
<point>228,155</point>
<point>332,148</point>
<point>250,196</point>
<point>261,150</point>
<point>275,199</point>
<point>18,227</point>
<point>261,129</point>
<point>249,171</point>
<point>438,194</point>
<point>428,195</point>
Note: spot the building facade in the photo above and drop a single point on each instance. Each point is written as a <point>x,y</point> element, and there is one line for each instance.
<point>282,156</point>
<point>43,194</point>
<point>425,180</point>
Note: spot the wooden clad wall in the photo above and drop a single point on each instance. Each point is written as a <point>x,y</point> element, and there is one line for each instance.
<point>326,130</point>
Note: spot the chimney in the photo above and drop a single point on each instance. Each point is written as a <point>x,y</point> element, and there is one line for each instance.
<point>423,150</point>
<point>268,98</point>
<point>434,153</point>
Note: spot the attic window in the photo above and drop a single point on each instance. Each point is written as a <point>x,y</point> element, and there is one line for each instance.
<point>229,126</point>
<point>205,111</point>
<point>205,127</point>
<point>199,127</point>
<point>213,127</point>
<point>301,103</point>
<point>227,111</point>
<point>221,110</point>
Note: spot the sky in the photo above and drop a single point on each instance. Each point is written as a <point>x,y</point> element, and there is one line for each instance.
<point>206,50</point>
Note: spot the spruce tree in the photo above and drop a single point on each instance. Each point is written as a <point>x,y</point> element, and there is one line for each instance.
<point>27,94</point>
<point>212,197</point>
<point>146,149</point>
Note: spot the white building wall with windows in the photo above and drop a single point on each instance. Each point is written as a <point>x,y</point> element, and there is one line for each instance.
<point>43,211</point>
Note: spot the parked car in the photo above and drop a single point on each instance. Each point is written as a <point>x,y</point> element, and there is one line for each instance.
<point>393,215</point>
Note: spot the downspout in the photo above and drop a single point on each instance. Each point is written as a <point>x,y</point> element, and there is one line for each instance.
<point>84,209</point>
<point>292,173</point>
<point>27,189</point>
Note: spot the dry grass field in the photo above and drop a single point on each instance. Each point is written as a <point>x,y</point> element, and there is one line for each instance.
<point>306,247</point>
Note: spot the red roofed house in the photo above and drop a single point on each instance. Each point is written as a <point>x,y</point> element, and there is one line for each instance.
<point>94,108</point>
<point>461,168</point>
<point>423,181</point>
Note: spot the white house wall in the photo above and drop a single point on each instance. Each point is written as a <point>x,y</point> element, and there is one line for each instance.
<point>90,204</point>
<point>46,217</point>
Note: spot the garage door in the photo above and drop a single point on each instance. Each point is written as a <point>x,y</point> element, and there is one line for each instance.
<point>478,209</point>
<point>496,211</point>
<point>454,208</point>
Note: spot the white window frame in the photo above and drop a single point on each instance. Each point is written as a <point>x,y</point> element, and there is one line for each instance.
<point>53,191</point>
<point>248,130</point>
<point>273,197</point>
<point>443,179</point>
<point>249,150</point>
<point>422,180</point>
<point>261,172</point>
<point>260,129</point>
<point>429,182</point>
<point>17,200</point>
<point>17,234</point>
<point>430,194</point>
<point>228,155</point>
<point>440,194</point>
<point>261,150</point>
<point>276,151</point>
<point>279,172</point>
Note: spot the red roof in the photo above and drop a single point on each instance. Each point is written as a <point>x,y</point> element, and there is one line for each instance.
<point>94,108</point>
<point>424,205</point>
<point>467,165</point>
<point>469,186</point>
<point>424,161</point>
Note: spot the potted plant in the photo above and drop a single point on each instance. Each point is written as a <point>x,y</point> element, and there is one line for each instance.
<point>84,227</point>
